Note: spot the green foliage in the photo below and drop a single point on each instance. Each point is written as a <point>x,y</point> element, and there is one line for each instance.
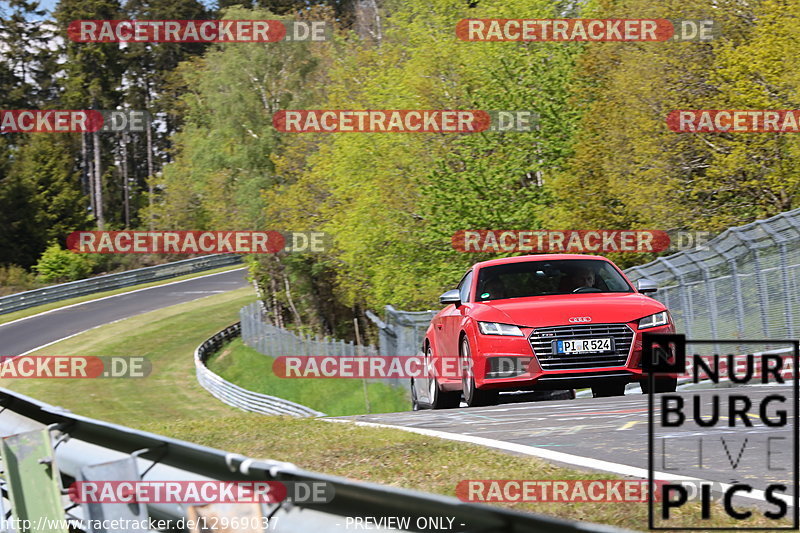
<point>58,265</point>
<point>393,201</point>
<point>629,171</point>
<point>601,158</point>
<point>14,278</point>
<point>93,70</point>
<point>40,198</point>
<point>223,151</point>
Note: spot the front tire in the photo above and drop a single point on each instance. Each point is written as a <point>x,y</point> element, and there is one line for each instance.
<point>473,396</point>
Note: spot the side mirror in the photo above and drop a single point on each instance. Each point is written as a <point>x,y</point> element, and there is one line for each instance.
<point>646,285</point>
<point>451,297</point>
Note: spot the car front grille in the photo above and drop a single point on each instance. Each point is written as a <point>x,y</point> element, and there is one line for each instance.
<point>542,343</point>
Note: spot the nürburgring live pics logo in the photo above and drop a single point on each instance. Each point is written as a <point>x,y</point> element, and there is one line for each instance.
<point>740,436</point>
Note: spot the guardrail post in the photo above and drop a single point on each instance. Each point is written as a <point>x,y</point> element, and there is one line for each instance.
<point>122,470</point>
<point>33,485</point>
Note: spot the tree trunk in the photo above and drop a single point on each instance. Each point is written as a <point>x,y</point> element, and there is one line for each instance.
<point>98,182</point>
<point>150,173</point>
<point>298,319</point>
<point>126,181</point>
<point>87,178</point>
<point>150,169</point>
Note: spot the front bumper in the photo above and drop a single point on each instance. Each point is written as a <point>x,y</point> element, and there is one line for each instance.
<point>528,363</point>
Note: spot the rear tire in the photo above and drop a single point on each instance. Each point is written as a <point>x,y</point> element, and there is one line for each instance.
<point>415,405</point>
<point>662,385</point>
<point>441,399</point>
<point>608,389</point>
<point>473,396</point>
<point>445,399</point>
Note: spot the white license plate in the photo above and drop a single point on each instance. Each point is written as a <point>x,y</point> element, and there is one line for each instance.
<point>585,346</point>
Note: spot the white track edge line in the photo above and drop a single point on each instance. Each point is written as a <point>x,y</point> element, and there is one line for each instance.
<point>114,296</point>
<point>63,339</point>
<point>69,337</point>
<point>561,457</point>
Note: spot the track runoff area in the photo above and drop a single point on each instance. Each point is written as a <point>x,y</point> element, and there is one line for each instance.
<point>728,435</point>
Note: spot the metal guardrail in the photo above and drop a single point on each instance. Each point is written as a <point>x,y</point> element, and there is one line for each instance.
<point>63,291</point>
<point>92,442</point>
<point>234,395</point>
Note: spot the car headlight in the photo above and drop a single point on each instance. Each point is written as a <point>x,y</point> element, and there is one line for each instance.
<point>495,328</point>
<point>658,319</point>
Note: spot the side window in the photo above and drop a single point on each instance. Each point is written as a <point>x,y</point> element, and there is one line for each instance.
<point>464,286</point>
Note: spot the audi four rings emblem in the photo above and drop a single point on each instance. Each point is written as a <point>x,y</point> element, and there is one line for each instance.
<point>579,319</point>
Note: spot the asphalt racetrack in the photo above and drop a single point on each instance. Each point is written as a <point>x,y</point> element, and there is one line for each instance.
<point>24,335</point>
<point>611,434</point>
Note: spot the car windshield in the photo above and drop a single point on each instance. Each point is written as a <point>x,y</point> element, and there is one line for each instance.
<point>541,278</point>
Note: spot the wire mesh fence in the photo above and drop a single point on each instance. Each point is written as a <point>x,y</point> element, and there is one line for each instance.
<point>743,284</point>
<point>273,341</point>
<point>402,332</point>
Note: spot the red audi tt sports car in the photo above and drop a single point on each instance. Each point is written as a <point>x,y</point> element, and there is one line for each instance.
<point>539,322</point>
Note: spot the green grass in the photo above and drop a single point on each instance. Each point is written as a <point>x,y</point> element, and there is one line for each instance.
<point>247,368</point>
<point>8,317</point>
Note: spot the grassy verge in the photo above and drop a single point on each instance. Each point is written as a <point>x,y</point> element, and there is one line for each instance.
<point>16,315</point>
<point>247,368</point>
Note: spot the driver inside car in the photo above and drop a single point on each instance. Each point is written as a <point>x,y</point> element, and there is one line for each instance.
<point>493,290</point>
<point>580,277</point>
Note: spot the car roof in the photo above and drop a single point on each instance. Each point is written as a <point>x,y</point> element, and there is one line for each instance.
<point>536,257</point>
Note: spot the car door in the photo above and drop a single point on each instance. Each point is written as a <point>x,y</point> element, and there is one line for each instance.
<point>451,320</point>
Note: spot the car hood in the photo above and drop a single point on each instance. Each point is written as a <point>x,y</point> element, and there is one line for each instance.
<point>541,311</point>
